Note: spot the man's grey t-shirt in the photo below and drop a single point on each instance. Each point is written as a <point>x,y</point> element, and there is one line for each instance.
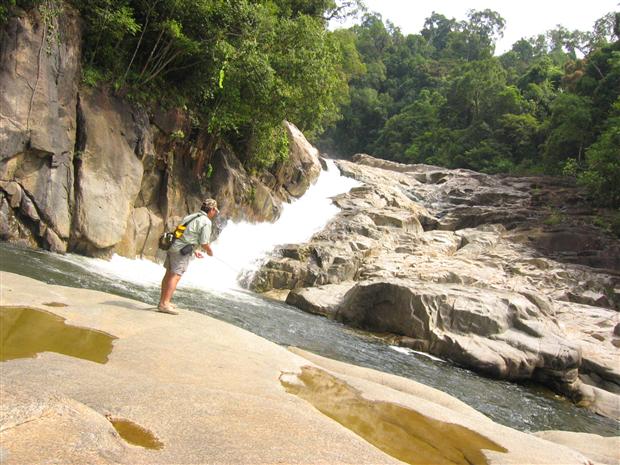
<point>197,232</point>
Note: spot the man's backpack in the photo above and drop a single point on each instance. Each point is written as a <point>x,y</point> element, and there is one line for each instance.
<point>167,239</point>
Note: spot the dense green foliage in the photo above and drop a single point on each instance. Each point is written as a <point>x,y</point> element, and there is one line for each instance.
<point>548,105</point>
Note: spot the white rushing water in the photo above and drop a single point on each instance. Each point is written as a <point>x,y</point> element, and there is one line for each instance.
<point>241,246</point>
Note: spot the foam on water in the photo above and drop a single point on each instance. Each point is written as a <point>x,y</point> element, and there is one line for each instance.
<point>241,246</point>
<point>137,271</point>
<point>408,351</point>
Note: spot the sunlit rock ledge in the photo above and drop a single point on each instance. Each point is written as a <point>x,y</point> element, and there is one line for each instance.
<point>203,391</point>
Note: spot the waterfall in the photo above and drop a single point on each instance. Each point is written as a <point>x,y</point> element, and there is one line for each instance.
<point>241,246</point>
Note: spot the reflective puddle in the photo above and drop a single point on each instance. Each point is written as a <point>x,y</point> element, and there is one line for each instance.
<point>402,433</point>
<point>26,332</point>
<point>136,434</point>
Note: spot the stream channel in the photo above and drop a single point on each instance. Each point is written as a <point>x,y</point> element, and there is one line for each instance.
<point>210,288</point>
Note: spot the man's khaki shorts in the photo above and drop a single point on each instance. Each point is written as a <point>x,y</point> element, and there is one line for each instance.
<point>177,263</point>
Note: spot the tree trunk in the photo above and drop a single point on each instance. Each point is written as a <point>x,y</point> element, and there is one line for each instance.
<point>135,52</point>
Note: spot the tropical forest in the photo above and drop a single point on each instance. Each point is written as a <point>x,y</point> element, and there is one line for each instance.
<point>442,96</point>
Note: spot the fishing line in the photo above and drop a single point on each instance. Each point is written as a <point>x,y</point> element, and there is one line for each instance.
<point>236,270</point>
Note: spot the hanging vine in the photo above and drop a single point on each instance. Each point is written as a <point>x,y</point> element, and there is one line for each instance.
<point>50,11</point>
<point>50,36</point>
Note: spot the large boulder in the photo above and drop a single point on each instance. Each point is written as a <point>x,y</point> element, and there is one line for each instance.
<point>320,300</point>
<point>110,172</point>
<point>295,174</point>
<point>505,334</point>
<point>593,329</point>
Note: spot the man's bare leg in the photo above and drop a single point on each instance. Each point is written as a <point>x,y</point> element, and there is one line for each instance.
<point>168,286</point>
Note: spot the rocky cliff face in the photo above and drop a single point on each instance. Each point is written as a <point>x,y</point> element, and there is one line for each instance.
<point>38,101</point>
<point>474,268</point>
<point>83,170</point>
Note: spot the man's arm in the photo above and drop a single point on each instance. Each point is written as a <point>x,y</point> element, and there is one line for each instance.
<point>207,248</point>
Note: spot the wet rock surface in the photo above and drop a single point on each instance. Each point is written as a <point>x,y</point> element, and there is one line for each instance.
<point>600,450</point>
<point>506,276</point>
<point>212,393</point>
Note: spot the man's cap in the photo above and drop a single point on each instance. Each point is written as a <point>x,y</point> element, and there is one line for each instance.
<point>208,204</point>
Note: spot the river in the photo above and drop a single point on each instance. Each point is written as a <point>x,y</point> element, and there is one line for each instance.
<point>210,287</point>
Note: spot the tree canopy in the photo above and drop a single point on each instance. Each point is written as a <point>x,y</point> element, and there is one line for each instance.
<point>548,105</point>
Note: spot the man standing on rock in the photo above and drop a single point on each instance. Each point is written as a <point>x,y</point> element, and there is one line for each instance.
<point>197,232</point>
